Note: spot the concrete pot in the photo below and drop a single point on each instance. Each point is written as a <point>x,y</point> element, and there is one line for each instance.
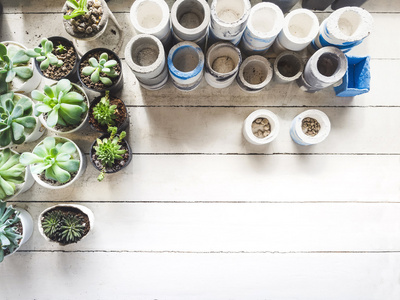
<point>254,74</point>
<point>288,67</point>
<point>261,114</point>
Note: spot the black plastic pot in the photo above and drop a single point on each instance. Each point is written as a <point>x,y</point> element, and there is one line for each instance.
<point>117,85</point>
<point>92,152</point>
<point>121,127</point>
<point>72,75</point>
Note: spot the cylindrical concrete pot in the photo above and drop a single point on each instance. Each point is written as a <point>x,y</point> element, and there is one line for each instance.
<point>297,133</point>
<point>190,19</point>
<point>254,74</point>
<point>201,42</point>
<point>228,20</point>
<point>145,56</point>
<point>342,3</point>
<point>264,24</point>
<point>316,4</point>
<point>185,64</point>
<point>255,122</point>
<point>152,17</point>
<point>288,67</point>
<point>222,64</point>
<point>324,68</point>
<point>299,28</point>
<point>345,28</point>
<point>284,5</point>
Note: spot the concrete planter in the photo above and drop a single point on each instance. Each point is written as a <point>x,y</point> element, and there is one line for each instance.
<point>27,227</point>
<point>288,67</point>
<point>254,74</point>
<point>273,123</point>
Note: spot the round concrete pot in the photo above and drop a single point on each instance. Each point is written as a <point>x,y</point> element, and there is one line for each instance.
<point>254,74</point>
<point>288,67</point>
<point>261,114</point>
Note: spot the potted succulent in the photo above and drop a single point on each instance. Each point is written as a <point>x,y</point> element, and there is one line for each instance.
<point>65,223</point>
<point>100,69</point>
<point>85,19</point>
<point>16,227</point>
<point>16,69</point>
<point>17,121</point>
<point>62,107</point>
<point>110,154</point>
<point>108,111</point>
<point>56,58</point>
<point>56,162</point>
<point>15,178</point>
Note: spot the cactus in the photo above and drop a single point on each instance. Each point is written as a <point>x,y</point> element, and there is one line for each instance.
<point>9,237</point>
<point>11,173</point>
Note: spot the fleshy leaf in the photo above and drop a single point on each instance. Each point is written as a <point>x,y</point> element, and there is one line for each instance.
<point>68,148</point>
<point>23,72</point>
<point>28,158</point>
<point>52,118</point>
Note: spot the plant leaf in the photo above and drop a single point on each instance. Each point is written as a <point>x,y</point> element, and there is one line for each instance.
<point>68,148</point>
<point>64,85</point>
<point>20,57</point>
<point>45,64</point>
<point>71,165</point>
<point>10,75</point>
<point>8,188</point>
<point>27,122</point>
<point>58,174</point>
<point>48,46</point>
<point>39,168</point>
<point>62,157</point>
<point>88,70</point>
<point>38,96</point>
<point>28,158</point>
<point>107,81</point>
<point>17,112</point>
<point>18,131</point>
<point>70,113</point>
<point>42,108</point>
<point>72,98</point>
<point>49,143</point>
<point>104,55</point>
<point>111,63</point>
<point>52,118</point>
<point>48,91</point>
<point>40,151</point>
<point>23,72</point>
<point>95,77</point>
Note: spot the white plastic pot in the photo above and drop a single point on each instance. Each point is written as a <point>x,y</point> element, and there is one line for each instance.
<point>145,55</point>
<point>254,74</point>
<point>82,208</point>
<point>24,86</point>
<point>299,28</point>
<point>264,24</point>
<point>248,130</point>
<point>222,64</point>
<point>185,64</point>
<point>82,167</point>
<point>190,19</point>
<point>296,131</point>
<point>27,227</point>
<point>288,66</point>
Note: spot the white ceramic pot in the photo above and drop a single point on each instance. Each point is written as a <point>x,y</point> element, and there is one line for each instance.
<point>82,208</point>
<point>296,131</point>
<point>79,155</point>
<point>288,66</point>
<point>254,74</point>
<point>222,64</point>
<point>185,64</point>
<point>264,24</point>
<point>261,114</point>
<point>299,28</point>
<point>27,227</point>
<point>24,86</point>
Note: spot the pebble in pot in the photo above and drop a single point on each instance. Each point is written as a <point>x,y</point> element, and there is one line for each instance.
<point>261,127</point>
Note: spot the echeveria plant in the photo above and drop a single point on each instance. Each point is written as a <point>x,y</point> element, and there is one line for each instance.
<point>12,172</point>
<point>63,106</point>
<point>9,237</point>
<point>103,66</point>
<point>44,55</point>
<point>103,112</point>
<point>56,160</point>
<point>79,8</point>
<point>15,119</point>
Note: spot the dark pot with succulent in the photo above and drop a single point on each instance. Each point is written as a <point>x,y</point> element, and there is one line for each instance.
<point>100,69</point>
<point>108,111</point>
<point>65,223</point>
<point>110,153</point>
<point>56,58</point>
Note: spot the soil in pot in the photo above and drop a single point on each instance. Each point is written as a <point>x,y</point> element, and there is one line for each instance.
<point>261,127</point>
<point>74,211</point>
<point>99,85</point>
<point>310,126</point>
<point>52,182</point>
<point>118,165</point>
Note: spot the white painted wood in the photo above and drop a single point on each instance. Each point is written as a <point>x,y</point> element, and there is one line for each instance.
<point>174,276</point>
<point>245,178</point>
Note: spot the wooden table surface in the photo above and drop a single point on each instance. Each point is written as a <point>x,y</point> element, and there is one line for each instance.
<point>202,214</point>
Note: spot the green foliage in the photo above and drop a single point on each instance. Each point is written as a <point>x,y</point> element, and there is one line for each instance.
<point>109,149</point>
<point>103,66</point>
<point>79,8</point>
<point>14,61</point>
<point>62,106</point>
<point>15,118</point>
<point>12,172</point>
<point>55,159</point>
<point>44,55</point>
<point>103,112</point>
<point>63,227</point>
<point>60,48</point>
<point>9,237</point>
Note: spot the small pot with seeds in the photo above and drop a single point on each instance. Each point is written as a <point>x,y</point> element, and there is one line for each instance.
<point>261,127</point>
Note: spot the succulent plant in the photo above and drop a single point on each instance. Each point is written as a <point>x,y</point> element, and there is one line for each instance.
<point>55,159</point>
<point>15,119</point>
<point>109,149</point>
<point>79,8</point>
<point>103,112</point>
<point>62,106</point>
<point>9,237</point>
<point>71,229</point>
<point>51,224</point>
<point>60,48</point>
<point>63,227</point>
<point>12,172</point>
<point>14,61</point>
<point>44,55</point>
<point>103,66</point>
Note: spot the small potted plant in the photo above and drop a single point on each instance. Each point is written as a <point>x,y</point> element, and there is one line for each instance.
<point>62,107</point>
<point>15,178</point>
<point>108,111</point>
<point>56,162</point>
<point>16,227</point>
<point>100,69</point>
<point>110,154</point>
<point>17,72</point>
<point>17,121</point>
<point>56,58</point>
<point>65,223</point>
